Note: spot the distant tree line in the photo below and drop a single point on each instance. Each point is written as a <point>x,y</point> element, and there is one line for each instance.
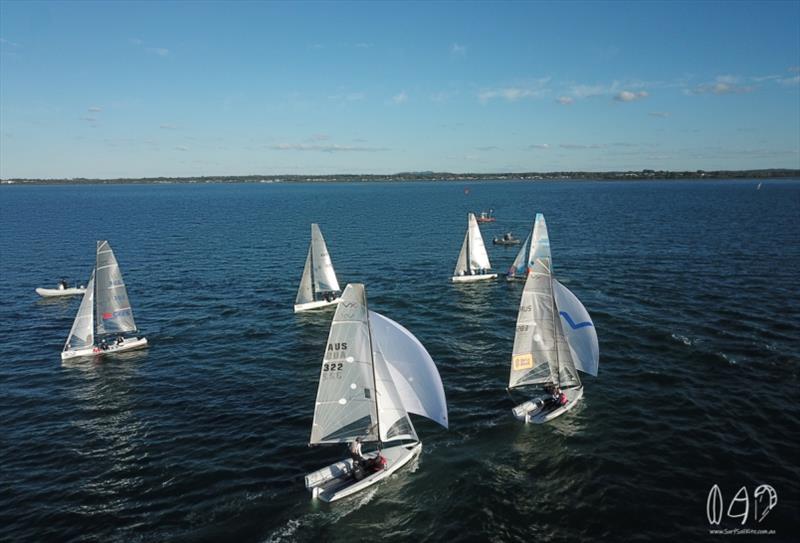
<point>429,176</point>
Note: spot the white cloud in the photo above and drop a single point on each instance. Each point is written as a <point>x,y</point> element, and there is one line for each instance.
<point>331,148</point>
<point>458,49</point>
<point>319,137</point>
<point>629,96</point>
<point>540,146</point>
<point>511,94</point>
<point>135,41</point>
<point>89,119</point>
<point>94,109</point>
<point>565,100</point>
<point>400,98</point>
<point>587,91</point>
<point>790,80</point>
<point>574,146</point>
<point>181,148</point>
<point>487,148</point>
<point>662,114</point>
<point>723,84</point>
<point>160,51</point>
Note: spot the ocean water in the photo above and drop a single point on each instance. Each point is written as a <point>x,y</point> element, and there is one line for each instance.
<point>693,288</point>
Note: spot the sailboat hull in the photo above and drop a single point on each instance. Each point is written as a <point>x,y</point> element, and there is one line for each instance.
<point>336,481</point>
<point>516,277</point>
<point>473,278</point>
<point>315,305</point>
<point>129,344</point>
<point>531,412</point>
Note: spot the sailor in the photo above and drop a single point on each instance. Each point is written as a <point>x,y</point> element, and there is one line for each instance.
<point>355,451</point>
<point>104,344</point>
<point>120,340</point>
<point>561,397</point>
<point>62,285</point>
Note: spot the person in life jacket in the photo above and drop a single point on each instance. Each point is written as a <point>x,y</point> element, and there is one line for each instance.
<point>355,451</point>
<point>560,397</point>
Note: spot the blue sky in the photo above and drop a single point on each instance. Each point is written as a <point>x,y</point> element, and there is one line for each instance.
<point>115,89</point>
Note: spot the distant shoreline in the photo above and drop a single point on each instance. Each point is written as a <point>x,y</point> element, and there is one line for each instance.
<point>654,175</point>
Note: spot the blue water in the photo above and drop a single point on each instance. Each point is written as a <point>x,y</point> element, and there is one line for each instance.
<point>693,288</point>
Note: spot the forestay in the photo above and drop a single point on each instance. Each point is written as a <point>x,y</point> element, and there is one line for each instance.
<point>305,293</point>
<point>114,313</point>
<point>324,276</point>
<point>82,333</point>
<point>412,369</point>
<point>345,407</point>
<point>578,328</point>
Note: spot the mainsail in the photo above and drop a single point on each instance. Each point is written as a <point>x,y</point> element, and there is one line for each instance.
<point>345,407</point>
<point>578,329</point>
<point>324,278</point>
<point>114,313</point>
<point>82,333</point>
<point>478,259</point>
<point>541,353</point>
<point>373,374</point>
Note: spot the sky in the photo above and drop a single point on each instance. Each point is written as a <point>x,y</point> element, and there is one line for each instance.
<point>144,89</point>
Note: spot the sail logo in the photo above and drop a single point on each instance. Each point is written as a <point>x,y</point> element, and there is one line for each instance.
<point>572,323</point>
<point>337,346</point>
<point>119,313</point>
<point>349,305</point>
<point>765,498</point>
<point>522,361</point>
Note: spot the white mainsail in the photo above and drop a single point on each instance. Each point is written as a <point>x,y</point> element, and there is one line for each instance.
<point>541,353</point>
<point>305,293</point>
<point>345,407</point>
<point>372,378</point>
<point>82,333</point>
<point>324,277</point>
<point>478,258</point>
<point>578,328</point>
<point>114,313</point>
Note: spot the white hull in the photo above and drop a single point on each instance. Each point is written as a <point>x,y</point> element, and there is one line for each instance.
<point>315,305</point>
<point>472,278</point>
<point>531,412</point>
<point>128,345</point>
<point>336,481</point>
<point>53,292</point>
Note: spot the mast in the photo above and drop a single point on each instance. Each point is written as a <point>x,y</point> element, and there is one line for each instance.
<point>311,269</point>
<point>374,379</point>
<point>469,259</point>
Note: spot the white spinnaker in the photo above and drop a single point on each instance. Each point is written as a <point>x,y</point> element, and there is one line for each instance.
<point>579,330</point>
<point>114,313</point>
<point>82,333</point>
<point>305,293</point>
<point>412,369</point>
<point>478,257</point>
<point>324,276</point>
<point>345,407</point>
<point>520,264</point>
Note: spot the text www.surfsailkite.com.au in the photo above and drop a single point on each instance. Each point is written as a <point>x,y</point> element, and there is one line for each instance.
<point>740,531</point>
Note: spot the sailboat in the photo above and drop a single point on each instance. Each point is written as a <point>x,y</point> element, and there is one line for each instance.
<point>473,262</point>
<point>104,311</point>
<point>374,373</point>
<point>318,286</point>
<point>538,241</point>
<point>555,337</point>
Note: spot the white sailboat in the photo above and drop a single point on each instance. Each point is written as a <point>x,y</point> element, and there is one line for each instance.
<point>104,311</point>
<point>318,286</point>
<point>539,243</point>
<point>473,261</point>
<point>374,373</point>
<point>555,337</point>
